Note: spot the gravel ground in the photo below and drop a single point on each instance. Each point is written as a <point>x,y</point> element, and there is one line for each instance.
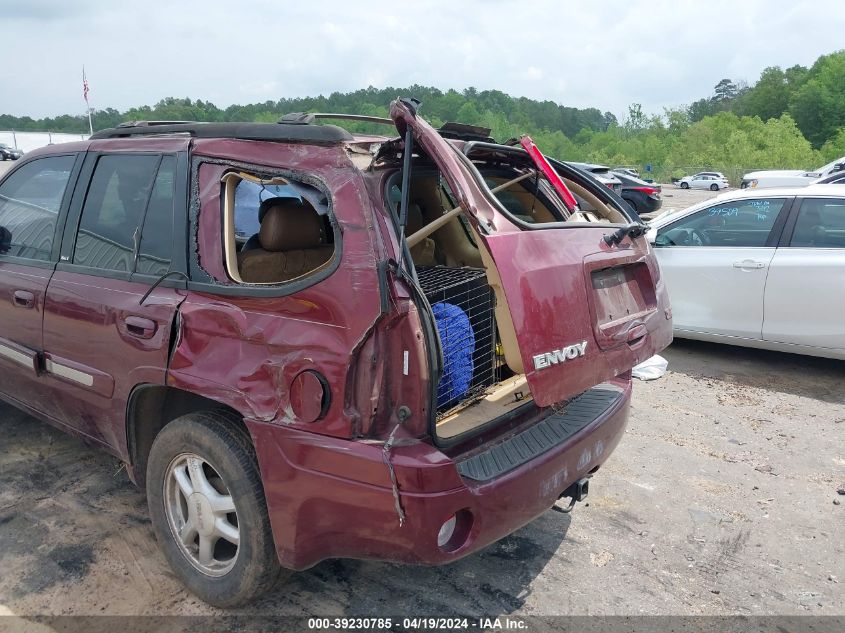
<point>721,499</point>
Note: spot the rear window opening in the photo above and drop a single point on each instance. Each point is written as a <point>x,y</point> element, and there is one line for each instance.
<point>481,377</point>
<point>276,230</point>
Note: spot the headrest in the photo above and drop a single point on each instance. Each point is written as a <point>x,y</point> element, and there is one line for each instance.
<point>289,227</point>
<point>274,201</point>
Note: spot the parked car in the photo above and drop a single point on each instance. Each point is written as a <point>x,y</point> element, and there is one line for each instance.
<point>9,153</point>
<point>712,180</point>
<point>602,174</point>
<point>644,197</point>
<point>629,171</point>
<point>370,375</point>
<point>758,268</point>
<point>836,177</point>
<point>790,177</point>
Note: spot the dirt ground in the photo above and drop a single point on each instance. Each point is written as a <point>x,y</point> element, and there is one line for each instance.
<point>721,499</point>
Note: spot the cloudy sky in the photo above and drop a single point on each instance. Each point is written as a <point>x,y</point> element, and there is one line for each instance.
<point>605,54</point>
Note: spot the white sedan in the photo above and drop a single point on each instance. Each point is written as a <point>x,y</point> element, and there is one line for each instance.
<point>759,269</point>
<point>712,180</point>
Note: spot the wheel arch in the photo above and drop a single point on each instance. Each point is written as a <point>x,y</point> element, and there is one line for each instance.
<point>152,407</point>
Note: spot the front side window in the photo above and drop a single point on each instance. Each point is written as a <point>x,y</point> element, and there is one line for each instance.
<point>30,199</point>
<point>109,230</point>
<point>820,224</point>
<point>741,223</point>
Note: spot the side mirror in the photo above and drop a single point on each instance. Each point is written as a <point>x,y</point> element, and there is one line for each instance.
<point>651,235</point>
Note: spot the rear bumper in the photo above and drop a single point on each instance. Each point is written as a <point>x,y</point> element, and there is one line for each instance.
<point>330,498</point>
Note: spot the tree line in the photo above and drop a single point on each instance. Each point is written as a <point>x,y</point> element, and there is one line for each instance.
<point>789,118</point>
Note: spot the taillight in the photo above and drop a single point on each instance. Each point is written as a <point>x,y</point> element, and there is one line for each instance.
<point>649,191</point>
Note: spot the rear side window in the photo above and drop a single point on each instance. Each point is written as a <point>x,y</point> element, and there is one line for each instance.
<point>276,230</point>
<point>109,231</point>
<point>820,224</point>
<point>30,199</point>
<point>741,223</point>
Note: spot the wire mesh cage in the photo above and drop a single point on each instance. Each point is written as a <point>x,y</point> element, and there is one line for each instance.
<point>463,305</point>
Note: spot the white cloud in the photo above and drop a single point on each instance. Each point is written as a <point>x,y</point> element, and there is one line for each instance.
<point>604,55</point>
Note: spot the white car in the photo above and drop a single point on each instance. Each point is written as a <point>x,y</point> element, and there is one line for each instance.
<point>759,269</point>
<point>790,177</point>
<point>712,180</point>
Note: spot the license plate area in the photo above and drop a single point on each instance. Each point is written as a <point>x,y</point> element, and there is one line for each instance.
<point>623,298</point>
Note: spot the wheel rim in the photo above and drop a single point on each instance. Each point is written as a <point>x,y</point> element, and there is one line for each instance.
<point>201,514</point>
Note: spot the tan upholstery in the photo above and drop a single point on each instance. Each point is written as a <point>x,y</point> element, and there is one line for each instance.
<point>292,245</point>
<point>264,267</point>
<point>289,227</point>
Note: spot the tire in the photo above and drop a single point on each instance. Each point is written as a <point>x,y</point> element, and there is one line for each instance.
<point>194,452</point>
<point>714,187</point>
<point>684,185</point>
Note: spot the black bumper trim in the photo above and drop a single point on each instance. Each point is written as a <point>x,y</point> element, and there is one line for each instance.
<point>543,436</point>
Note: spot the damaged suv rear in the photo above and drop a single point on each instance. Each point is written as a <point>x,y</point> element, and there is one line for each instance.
<point>388,347</point>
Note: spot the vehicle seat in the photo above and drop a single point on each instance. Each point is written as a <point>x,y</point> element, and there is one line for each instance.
<point>292,243</point>
<point>253,242</point>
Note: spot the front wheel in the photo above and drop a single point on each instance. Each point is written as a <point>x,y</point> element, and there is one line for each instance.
<point>714,187</point>
<point>684,185</point>
<point>208,509</point>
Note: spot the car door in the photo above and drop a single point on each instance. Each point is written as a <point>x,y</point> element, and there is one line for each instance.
<point>804,302</point>
<point>715,263</point>
<point>33,199</point>
<point>100,340</point>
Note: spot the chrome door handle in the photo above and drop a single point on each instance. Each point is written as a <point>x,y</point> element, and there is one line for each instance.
<point>749,264</point>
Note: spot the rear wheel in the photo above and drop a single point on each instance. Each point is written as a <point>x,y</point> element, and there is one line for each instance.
<point>684,185</point>
<point>208,509</point>
<point>714,187</point>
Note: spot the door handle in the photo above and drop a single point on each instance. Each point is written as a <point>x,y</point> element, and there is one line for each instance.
<point>140,327</point>
<point>24,299</point>
<point>749,264</point>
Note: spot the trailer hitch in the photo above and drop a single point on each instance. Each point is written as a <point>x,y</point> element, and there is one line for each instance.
<point>578,491</point>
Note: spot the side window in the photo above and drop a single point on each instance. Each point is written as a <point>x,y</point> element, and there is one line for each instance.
<point>820,224</point>
<point>275,230</point>
<point>114,206</point>
<point>157,233</point>
<point>742,223</point>
<point>30,199</point>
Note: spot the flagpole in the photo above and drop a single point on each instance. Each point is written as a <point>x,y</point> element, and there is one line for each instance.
<point>87,105</point>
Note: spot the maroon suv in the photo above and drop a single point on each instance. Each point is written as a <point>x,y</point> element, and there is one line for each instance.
<point>308,344</point>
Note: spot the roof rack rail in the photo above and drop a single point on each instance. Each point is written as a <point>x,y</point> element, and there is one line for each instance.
<point>151,123</point>
<point>325,134</point>
<point>307,118</point>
